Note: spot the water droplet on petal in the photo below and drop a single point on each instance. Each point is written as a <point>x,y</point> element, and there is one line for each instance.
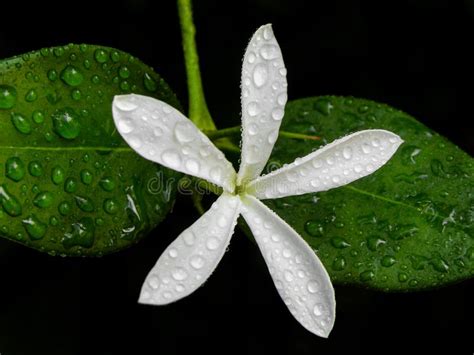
<point>318,310</point>
<point>277,114</point>
<point>282,99</point>
<point>312,286</point>
<point>212,243</point>
<point>179,274</point>
<point>273,136</point>
<point>173,253</point>
<point>347,152</point>
<point>197,262</point>
<point>253,109</point>
<point>267,33</point>
<point>189,238</point>
<point>260,75</point>
<point>184,132</point>
<point>171,158</point>
<point>288,276</point>
<point>269,52</point>
<point>251,57</point>
<point>124,104</point>
<point>192,166</point>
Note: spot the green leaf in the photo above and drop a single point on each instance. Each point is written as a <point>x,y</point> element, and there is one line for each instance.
<point>70,184</point>
<point>408,226</point>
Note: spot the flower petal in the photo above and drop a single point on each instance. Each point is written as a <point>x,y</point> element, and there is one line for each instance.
<point>159,132</point>
<point>263,101</point>
<point>336,164</point>
<point>299,276</point>
<point>189,261</point>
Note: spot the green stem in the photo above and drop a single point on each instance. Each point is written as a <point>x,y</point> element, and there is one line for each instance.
<point>233,131</point>
<point>198,111</point>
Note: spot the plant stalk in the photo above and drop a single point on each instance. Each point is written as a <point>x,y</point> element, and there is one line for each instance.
<point>198,111</point>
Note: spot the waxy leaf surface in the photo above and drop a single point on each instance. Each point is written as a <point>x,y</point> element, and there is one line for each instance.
<point>408,226</point>
<point>69,184</point>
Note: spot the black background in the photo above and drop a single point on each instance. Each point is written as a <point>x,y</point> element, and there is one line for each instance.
<point>414,55</point>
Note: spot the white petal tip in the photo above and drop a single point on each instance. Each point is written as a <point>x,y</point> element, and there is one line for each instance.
<point>124,102</point>
<point>146,298</point>
<point>267,31</point>
<point>149,298</point>
<point>322,329</point>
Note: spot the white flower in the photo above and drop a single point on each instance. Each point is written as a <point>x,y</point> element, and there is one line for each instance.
<point>162,134</point>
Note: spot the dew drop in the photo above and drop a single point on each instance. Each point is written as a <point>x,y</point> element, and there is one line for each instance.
<point>184,132</point>
<point>179,274</point>
<point>21,123</point>
<point>367,276</point>
<point>277,114</point>
<point>273,136</point>
<point>173,253</point>
<point>267,33</point>
<point>52,75</point>
<point>387,261</point>
<point>107,183</point>
<point>110,206</point>
<point>14,168</point>
<point>347,153</point>
<point>66,123</point>
<point>35,168</point>
<point>31,96</point>
<point>154,282</point>
<point>197,262</point>
<point>149,83</point>
<point>8,96</point>
<point>339,243</point>
<point>366,148</point>
<point>339,263</point>
<point>212,243</point>
<point>288,276</point>
<point>124,72</point>
<point>318,310</point>
<point>253,109</point>
<point>189,238</point>
<point>43,199</point>
<point>251,57</point>
<point>282,99</point>
<point>314,228</point>
<point>260,75</point>
<point>171,158</point>
<point>71,76</point>
<point>135,142</point>
<point>312,286</point>
<point>125,127</point>
<point>34,227</point>
<point>253,129</point>
<point>100,56</point>
<point>84,203</point>
<point>124,104</point>
<point>269,52</point>
<point>64,208</point>
<point>38,116</point>
<point>9,202</point>
<point>192,166</point>
<point>57,175</point>
<point>86,177</point>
